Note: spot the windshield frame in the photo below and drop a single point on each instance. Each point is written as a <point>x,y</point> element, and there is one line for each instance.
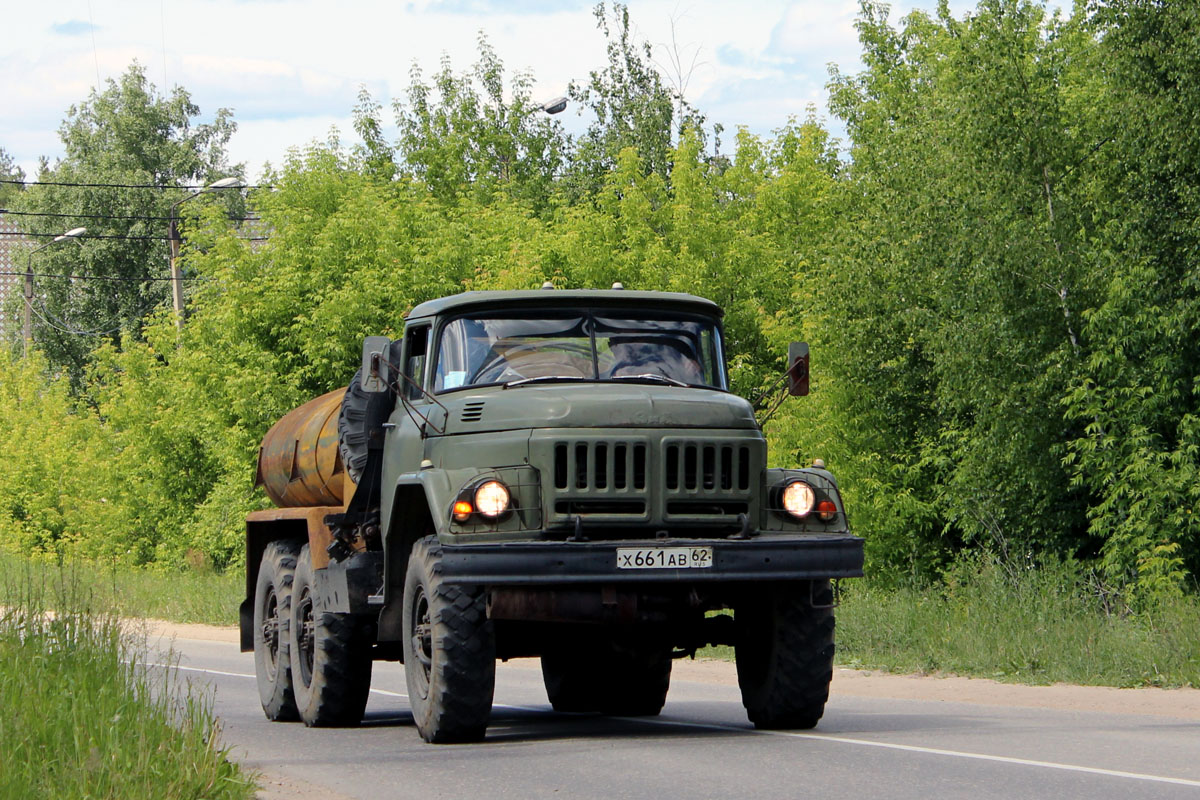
<point>589,313</point>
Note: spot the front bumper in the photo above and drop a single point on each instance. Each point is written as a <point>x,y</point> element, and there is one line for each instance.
<point>775,558</point>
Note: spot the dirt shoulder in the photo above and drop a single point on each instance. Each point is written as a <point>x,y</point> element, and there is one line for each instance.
<point>1177,703</point>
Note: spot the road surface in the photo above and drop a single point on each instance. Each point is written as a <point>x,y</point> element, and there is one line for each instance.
<point>911,745</point>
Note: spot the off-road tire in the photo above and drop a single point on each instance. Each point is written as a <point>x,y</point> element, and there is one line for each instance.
<point>449,651</point>
<point>624,679</point>
<point>352,428</point>
<point>331,657</point>
<point>272,620</point>
<point>784,654</point>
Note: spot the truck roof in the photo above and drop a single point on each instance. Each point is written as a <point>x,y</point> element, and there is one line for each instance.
<point>553,298</point>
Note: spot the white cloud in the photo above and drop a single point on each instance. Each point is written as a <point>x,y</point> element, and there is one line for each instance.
<point>290,68</point>
<point>266,140</point>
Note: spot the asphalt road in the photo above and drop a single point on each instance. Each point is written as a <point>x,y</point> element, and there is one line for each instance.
<point>701,747</point>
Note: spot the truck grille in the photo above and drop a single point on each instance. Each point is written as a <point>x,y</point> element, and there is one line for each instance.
<point>632,481</point>
<point>700,466</point>
<point>592,466</point>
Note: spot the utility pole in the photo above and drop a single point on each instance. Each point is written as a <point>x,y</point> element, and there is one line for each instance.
<point>74,233</point>
<point>175,241</point>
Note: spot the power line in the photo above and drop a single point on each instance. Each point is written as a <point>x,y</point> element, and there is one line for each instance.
<point>65,326</point>
<point>107,216</point>
<point>97,277</point>
<point>104,236</point>
<point>127,185</point>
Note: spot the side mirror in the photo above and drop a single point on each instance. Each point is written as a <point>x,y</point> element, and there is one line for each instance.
<point>797,373</point>
<point>375,364</point>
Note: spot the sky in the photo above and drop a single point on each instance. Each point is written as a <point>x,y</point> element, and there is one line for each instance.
<point>290,70</point>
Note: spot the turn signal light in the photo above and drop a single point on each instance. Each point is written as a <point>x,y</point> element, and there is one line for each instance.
<point>826,510</point>
<point>463,510</point>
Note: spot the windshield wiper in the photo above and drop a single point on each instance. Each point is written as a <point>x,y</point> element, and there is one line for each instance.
<point>542,379</point>
<point>653,377</point>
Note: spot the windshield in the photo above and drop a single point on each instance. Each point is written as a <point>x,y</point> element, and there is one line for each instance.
<point>508,348</point>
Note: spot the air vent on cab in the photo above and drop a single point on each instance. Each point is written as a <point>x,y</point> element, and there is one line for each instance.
<point>472,411</point>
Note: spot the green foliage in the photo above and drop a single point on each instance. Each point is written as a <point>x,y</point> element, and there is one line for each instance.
<point>631,104</point>
<point>1012,296</point>
<point>998,284</point>
<point>87,714</point>
<point>459,137</point>
<point>1138,395</point>
<point>958,283</point>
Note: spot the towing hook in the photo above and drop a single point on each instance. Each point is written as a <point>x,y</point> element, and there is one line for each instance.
<point>578,536</point>
<point>743,528</point>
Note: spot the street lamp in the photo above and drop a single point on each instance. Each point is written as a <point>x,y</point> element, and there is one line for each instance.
<point>554,106</point>
<point>174,240</point>
<point>74,233</point>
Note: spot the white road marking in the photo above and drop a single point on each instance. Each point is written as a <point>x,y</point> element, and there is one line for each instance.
<point>819,737</point>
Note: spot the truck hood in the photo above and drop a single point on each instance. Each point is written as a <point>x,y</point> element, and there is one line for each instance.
<point>594,405</point>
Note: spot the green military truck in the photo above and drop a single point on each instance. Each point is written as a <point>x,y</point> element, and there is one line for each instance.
<point>559,474</point>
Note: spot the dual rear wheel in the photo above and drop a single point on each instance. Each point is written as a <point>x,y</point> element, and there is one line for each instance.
<point>311,665</point>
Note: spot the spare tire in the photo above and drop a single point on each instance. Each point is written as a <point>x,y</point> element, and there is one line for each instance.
<point>352,428</point>
<point>355,418</point>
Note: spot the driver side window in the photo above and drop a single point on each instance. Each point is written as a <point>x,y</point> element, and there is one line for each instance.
<point>416,345</point>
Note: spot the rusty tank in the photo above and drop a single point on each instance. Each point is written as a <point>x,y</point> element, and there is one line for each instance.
<point>299,463</point>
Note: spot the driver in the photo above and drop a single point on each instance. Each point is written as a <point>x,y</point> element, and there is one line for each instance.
<point>636,356</point>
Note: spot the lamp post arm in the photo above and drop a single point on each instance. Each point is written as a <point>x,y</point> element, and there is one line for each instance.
<point>27,331</point>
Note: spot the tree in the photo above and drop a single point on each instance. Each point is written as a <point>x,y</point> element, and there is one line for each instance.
<point>632,105</point>
<point>137,149</point>
<point>9,171</point>
<point>1138,454</point>
<point>960,278</point>
<point>460,136</point>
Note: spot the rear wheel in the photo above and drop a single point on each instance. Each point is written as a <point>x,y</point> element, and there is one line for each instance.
<point>449,651</point>
<point>620,678</point>
<point>784,654</point>
<point>330,656</point>
<point>272,616</point>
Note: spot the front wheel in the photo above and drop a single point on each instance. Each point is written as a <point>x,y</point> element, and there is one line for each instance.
<point>331,656</point>
<point>784,654</point>
<point>449,651</point>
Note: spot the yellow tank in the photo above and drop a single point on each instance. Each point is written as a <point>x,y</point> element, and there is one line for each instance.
<point>299,463</point>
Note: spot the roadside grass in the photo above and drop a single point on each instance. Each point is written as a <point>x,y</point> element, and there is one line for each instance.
<point>85,716</point>
<point>176,596</point>
<point>1037,625</point>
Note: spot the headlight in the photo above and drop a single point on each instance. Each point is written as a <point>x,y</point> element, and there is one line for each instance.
<point>491,499</point>
<point>798,498</point>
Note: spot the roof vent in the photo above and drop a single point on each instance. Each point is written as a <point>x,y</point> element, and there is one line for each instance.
<point>548,285</point>
<point>618,285</point>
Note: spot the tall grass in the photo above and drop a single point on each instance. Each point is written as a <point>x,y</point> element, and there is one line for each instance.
<point>193,595</point>
<point>1053,622</point>
<point>84,715</point>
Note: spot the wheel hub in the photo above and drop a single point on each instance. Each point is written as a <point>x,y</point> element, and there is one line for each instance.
<point>270,633</point>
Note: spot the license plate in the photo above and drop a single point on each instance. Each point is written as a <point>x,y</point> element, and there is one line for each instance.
<point>664,557</point>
